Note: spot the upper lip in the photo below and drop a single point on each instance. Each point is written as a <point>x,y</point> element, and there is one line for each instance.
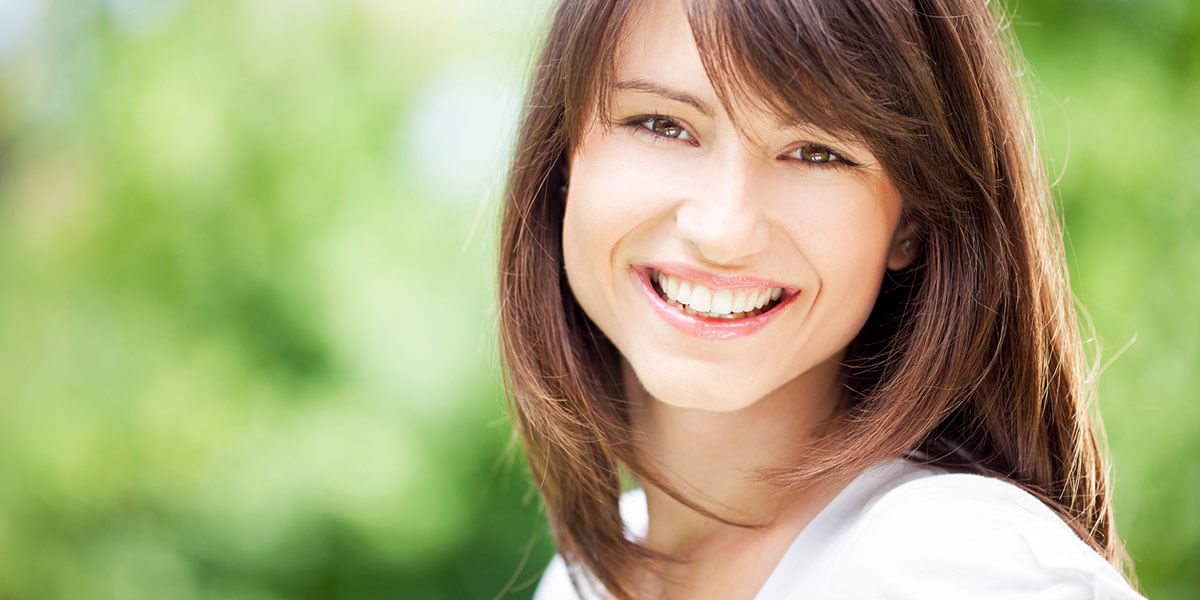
<point>715,280</point>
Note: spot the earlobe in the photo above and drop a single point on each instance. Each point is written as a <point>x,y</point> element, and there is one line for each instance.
<point>564,174</point>
<point>904,247</point>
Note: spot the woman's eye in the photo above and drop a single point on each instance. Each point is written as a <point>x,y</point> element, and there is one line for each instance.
<point>812,153</point>
<point>664,127</point>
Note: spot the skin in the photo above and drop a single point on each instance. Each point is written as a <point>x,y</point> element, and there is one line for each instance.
<point>697,190</point>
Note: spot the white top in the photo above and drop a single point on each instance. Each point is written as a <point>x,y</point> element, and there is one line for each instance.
<point>906,531</point>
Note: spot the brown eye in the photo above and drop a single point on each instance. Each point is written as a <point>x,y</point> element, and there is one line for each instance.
<point>817,154</point>
<point>659,126</point>
<point>665,127</point>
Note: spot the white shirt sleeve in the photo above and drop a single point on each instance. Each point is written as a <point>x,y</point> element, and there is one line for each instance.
<point>555,583</point>
<point>967,536</point>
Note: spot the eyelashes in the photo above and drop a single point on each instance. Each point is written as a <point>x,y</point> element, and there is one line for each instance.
<point>661,126</point>
<point>810,153</point>
<point>818,154</point>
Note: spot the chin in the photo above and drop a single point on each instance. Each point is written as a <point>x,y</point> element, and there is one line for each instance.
<point>709,390</point>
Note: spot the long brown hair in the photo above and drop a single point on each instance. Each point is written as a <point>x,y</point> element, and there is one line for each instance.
<point>971,359</point>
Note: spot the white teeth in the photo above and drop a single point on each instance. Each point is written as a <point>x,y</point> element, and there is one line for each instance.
<point>727,303</point>
<point>739,300</point>
<point>701,298</point>
<point>672,287</point>
<point>722,302</point>
<point>684,295</point>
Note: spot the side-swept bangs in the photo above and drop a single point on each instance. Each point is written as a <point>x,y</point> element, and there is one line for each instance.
<point>879,72</point>
<point>804,63</point>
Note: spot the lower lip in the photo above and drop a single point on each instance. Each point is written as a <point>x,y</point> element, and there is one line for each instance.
<point>702,327</point>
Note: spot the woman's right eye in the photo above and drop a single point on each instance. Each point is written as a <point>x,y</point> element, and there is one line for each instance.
<point>663,127</point>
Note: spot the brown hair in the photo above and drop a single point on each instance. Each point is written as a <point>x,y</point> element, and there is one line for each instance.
<point>971,359</point>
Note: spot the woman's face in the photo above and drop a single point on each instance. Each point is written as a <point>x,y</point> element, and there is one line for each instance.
<point>725,264</point>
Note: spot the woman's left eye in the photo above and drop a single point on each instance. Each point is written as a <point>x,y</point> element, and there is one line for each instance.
<point>819,155</point>
<point>663,127</point>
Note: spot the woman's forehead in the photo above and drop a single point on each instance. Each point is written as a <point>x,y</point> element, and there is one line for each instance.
<point>657,54</point>
<point>656,39</point>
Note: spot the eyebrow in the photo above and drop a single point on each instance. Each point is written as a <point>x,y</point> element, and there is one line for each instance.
<point>668,93</point>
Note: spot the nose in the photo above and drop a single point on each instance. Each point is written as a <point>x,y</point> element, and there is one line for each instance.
<point>722,217</point>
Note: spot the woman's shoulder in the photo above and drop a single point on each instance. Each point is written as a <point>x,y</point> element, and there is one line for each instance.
<point>959,535</point>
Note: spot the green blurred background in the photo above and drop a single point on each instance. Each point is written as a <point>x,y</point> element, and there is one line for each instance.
<point>246,322</point>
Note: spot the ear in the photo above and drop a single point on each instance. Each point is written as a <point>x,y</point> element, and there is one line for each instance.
<point>904,246</point>
<point>564,172</point>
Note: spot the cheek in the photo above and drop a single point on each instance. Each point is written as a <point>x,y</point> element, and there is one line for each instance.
<point>601,210</point>
<point>617,181</point>
<point>578,243</point>
<point>847,230</point>
<point>616,190</point>
<point>590,226</point>
<point>843,224</point>
<point>855,247</point>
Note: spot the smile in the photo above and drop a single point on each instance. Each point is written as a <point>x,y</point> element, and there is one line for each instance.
<point>699,300</point>
<point>708,306</point>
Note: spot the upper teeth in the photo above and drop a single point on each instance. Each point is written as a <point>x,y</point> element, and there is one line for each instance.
<point>701,298</point>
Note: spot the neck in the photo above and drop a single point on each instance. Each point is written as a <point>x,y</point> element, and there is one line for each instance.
<point>713,458</point>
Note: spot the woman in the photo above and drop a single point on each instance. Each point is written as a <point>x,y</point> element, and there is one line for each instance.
<point>792,267</point>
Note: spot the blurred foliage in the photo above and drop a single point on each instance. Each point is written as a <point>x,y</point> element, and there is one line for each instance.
<point>246,323</point>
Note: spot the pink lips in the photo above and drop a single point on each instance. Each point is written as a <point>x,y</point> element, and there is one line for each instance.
<point>703,327</point>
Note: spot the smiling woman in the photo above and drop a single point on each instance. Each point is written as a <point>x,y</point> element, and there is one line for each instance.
<point>792,266</point>
<point>724,211</point>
